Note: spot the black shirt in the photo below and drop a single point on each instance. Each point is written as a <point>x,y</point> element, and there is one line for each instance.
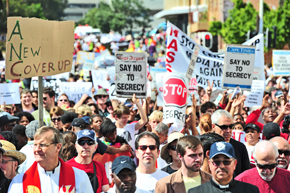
<point>168,169</point>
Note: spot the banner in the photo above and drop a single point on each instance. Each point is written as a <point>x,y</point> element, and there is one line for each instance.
<point>38,47</point>
<point>208,66</point>
<point>174,98</point>
<point>131,74</point>
<point>9,93</point>
<point>281,62</point>
<point>255,97</point>
<point>159,87</point>
<point>75,90</point>
<point>100,79</point>
<point>239,67</point>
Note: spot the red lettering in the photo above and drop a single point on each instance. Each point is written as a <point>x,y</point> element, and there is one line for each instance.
<point>173,45</point>
<point>25,72</point>
<point>11,70</point>
<point>175,32</point>
<point>66,63</point>
<point>43,67</point>
<point>170,57</point>
<point>37,68</point>
<point>50,66</point>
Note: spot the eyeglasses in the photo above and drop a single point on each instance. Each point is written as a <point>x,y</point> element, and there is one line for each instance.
<point>225,127</point>
<point>83,142</point>
<point>144,147</point>
<point>54,119</point>
<point>266,166</point>
<point>44,98</point>
<point>43,145</point>
<point>172,147</point>
<point>102,96</point>
<point>286,152</point>
<point>6,161</point>
<point>225,162</point>
<point>65,100</point>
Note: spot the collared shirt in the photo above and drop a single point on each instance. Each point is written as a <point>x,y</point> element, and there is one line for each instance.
<point>49,181</point>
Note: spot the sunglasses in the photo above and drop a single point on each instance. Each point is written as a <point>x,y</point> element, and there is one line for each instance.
<point>54,119</point>
<point>144,147</point>
<point>225,127</point>
<point>83,142</point>
<point>218,162</point>
<point>286,152</point>
<point>267,166</point>
<point>102,96</point>
<point>65,100</point>
<point>172,147</point>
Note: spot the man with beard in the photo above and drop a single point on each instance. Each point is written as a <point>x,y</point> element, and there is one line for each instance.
<point>284,153</point>
<point>266,176</point>
<point>190,152</point>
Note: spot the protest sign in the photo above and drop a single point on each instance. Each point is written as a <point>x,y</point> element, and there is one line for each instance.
<point>156,71</point>
<point>47,82</point>
<point>38,47</point>
<point>82,56</point>
<point>9,93</point>
<point>100,79</point>
<point>281,62</point>
<point>75,90</point>
<point>159,87</point>
<point>191,65</point>
<point>208,66</point>
<point>113,94</point>
<point>111,73</point>
<point>238,67</point>
<point>174,98</point>
<point>255,97</point>
<point>239,136</point>
<point>88,65</point>
<point>131,74</point>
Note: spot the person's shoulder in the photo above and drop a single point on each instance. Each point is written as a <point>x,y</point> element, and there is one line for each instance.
<point>71,161</point>
<point>79,173</point>
<point>247,186</point>
<point>200,188</point>
<point>246,174</point>
<point>283,172</point>
<point>236,143</point>
<point>167,178</point>
<point>98,164</point>
<point>17,179</point>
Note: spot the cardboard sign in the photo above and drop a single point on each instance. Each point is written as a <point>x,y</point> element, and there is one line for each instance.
<point>238,67</point>
<point>83,56</point>
<point>180,47</point>
<point>9,93</point>
<point>255,97</point>
<point>281,62</point>
<point>174,98</point>
<point>131,74</point>
<point>191,65</point>
<point>100,79</point>
<point>38,47</point>
<point>75,90</point>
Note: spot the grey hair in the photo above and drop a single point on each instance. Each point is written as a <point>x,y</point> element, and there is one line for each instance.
<point>265,145</point>
<point>161,128</point>
<point>215,117</point>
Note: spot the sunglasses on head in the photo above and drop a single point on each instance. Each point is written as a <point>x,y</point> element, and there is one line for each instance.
<point>144,147</point>
<point>83,142</point>
<point>225,127</point>
<point>286,152</point>
<point>102,96</point>
<point>218,162</point>
<point>266,166</point>
<point>172,147</point>
<point>65,100</point>
<point>54,119</point>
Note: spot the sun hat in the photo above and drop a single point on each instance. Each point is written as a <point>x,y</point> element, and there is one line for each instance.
<point>164,153</point>
<point>12,152</point>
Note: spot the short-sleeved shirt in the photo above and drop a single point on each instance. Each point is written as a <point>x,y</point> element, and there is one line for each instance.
<point>128,133</point>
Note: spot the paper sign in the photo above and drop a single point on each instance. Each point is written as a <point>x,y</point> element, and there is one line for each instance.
<point>155,71</point>
<point>100,79</point>
<point>255,97</point>
<point>281,62</point>
<point>88,65</point>
<point>175,98</point>
<point>159,87</point>
<point>75,90</point>
<point>191,65</point>
<point>238,67</point>
<point>131,74</point>
<point>239,136</point>
<point>111,72</point>
<point>47,82</point>
<point>9,93</point>
<point>38,47</point>
<point>83,56</point>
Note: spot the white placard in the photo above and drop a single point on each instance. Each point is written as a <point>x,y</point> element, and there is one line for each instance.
<point>75,90</point>
<point>159,86</point>
<point>191,65</point>
<point>281,62</point>
<point>239,136</point>
<point>238,67</point>
<point>131,74</point>
<point>154,72</point>
<point>111,72</point>
<point>255,97</point>
<point>100,79</point>
<point>9,92</point>
<point>88,65</point>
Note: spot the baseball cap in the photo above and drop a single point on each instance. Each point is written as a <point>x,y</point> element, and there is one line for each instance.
<point>79,122</point>
<point>278,94</point>
<point>31,129</point>
<point>6,118</point>
<point>123,162</point>
<point>164,152</point>
<point>252,126</point>
<point>127,104</point>
<point>271,130</point>
<point>86,133</point>
<point>222,147</point>
<point>86,119</point>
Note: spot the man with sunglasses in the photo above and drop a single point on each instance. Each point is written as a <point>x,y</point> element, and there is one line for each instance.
<point>147,151</point>
<point>222,124</point>
<point>222,162</point>
<point>266,176</point>
<point>101,98</point>
<point>284,152</point>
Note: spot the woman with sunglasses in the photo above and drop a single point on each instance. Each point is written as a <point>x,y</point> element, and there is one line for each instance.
<point>63,101</point>
<point>55,114</point>
<point>169,154</point>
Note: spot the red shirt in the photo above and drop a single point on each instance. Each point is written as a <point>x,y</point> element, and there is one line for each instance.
<point>89,169</point>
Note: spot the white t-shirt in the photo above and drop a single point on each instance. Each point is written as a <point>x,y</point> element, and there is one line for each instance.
<point>250,150</point>
<point>161,163</point>
<point>128,133</point>
<point>113,190</point>
<point>146,182</point>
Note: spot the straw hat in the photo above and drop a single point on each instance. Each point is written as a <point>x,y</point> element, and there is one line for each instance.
<point>12,152</point>
<point>164,153</point>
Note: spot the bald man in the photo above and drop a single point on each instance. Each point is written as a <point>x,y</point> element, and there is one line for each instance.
<point>284,152</point>
<point>266,176</point>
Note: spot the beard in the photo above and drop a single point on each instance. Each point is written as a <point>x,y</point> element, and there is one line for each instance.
<point>192,168</point>
<point>285,166</point>
<point>267,176</point>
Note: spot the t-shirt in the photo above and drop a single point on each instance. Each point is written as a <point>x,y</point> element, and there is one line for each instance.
<point>128,133</point>
<point>191,182</point>
<point>89,169</point>
<point>113,190</point>
<point>161,163</point>
<point>168,169</point>
<point>250,150</point>
<point>147,182</point>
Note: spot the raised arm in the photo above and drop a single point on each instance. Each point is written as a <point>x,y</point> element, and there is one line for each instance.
<point>143,116</point>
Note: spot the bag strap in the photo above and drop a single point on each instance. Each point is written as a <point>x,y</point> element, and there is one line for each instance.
<point>95,180</point>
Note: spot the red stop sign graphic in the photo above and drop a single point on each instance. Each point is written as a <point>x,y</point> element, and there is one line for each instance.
<point>175,92</point>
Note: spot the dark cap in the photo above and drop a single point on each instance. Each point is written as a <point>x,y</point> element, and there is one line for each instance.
<point>86,119</point>
<point>222,147</point>
<point>6,118</point>
<point>123,162</point>
<point>252,126</point>
<point>78,122</point>
<point>278,94</point>
<point>86,133</point>
<point>271,130</point>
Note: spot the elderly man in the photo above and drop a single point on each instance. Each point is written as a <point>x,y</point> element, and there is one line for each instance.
<point>190,152</point>
<point>49,173</point>
<point>4,182</point>
<point>222,124</point>
<point>11,159</point>
<point>222,164</point>
<point>266,176</point>
<point>284,152</point>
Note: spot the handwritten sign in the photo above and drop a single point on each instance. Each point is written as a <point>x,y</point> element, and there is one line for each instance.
<point>75,90</point>
<point>255,97</point>
<point>83,56</point>
<point>100,79</point>
<point>9,93</point>
<point>38,47</point>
